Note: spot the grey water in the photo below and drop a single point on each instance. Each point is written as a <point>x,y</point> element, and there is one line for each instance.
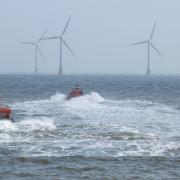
<point>124,127</point>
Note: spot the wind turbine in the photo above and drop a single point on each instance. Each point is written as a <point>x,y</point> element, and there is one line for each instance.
<point>37,50</point>
<point>62,42</point>
<point>149,46</point>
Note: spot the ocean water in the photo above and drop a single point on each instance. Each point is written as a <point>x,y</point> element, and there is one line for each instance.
<point>124,127</point>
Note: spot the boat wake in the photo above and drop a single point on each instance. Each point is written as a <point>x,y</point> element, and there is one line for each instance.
<point>94,126</point>
<point>28,124</point>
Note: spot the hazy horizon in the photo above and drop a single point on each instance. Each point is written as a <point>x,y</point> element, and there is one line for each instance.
<point>99,33</point>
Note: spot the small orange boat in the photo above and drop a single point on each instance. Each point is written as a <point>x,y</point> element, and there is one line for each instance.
<point>5,113</point>
<point>75,92</point>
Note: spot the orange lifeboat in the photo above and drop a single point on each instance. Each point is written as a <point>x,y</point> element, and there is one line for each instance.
<point>5,113</point>
<point>75,92</point>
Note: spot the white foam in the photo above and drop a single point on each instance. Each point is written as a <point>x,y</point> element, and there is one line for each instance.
<point>42,123</point>
<point>144,126</point>
<point>58,98</point>
<point>94,108</point>
<point>28,124</point>
<point>94,97</point>
<point>6,125</point>
<point>43,106</point>
<point>148,148</point>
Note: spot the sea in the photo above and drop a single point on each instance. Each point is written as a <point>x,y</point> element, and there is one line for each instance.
<point>124,127</point>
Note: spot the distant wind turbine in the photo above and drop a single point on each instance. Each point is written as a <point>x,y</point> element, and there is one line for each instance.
<point>37,50</point>
<point>62,41</point>
<point>150,45</point>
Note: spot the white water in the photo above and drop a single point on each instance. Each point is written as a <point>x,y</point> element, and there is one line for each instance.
<point>94,126</point>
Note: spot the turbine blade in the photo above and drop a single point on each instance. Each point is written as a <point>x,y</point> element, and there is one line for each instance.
<point>40,52</point>
<point>65,28</point>
<point>52,37</point>
<point>152,33</point>
<point>26,42</point>
<point>65,43</point>
<point>137,43</point>
<point>156,49</point>
<point>42,36</point>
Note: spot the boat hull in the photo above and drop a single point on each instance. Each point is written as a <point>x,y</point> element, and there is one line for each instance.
<point>5,113</point>
<point>71,97</point>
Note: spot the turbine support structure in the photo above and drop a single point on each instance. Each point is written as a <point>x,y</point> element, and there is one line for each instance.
<point>60,55</point>
<point>36,61</point>
<point>148,63</point>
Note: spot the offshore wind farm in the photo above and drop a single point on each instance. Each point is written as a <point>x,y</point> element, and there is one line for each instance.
<point>94,97</point>
<point>63,42</point>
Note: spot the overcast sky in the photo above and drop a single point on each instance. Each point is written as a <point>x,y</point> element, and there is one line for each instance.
<point>99,33</point>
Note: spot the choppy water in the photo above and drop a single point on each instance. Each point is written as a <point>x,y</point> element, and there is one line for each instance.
<point>125,127</point>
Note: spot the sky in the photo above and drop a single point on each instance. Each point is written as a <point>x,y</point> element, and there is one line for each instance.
<point>99,33</point>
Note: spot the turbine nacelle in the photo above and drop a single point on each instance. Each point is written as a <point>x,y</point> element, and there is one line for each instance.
<point>36,45</point>
<point>150,44</point>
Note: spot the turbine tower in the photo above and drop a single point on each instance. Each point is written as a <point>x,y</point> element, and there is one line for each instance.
<point>61,43</point>
<point>37,50</point>
<point>149,46</point>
